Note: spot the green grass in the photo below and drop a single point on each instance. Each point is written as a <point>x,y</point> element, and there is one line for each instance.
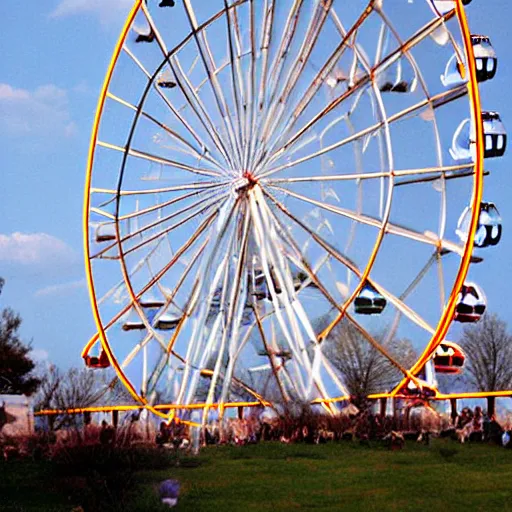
<point>273,477</point>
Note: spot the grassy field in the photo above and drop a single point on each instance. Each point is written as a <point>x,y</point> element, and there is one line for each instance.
<point>275,477</point>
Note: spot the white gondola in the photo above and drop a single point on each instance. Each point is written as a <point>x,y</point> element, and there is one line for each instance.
<point>495,138</point>
<point>167,322</point>
<point>165,81</point>
<point>133,322</point>
<point>495,135</point>
<point>471,304</point>
<point>489,228</point>
<point>151,303</point>
<point>145,35</point>
<point>462,147</point>
<point>389,82</point>
<point>453,72</point>
<point>441,7</point>
<point>134,325</point>
<point>105,232</point>
<point>485,58</point>
<point>260,290</point>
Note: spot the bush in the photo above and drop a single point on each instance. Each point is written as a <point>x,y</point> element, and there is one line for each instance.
<point>100,477</point>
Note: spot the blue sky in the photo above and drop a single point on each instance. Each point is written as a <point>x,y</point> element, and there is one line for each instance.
<point>54,60</point>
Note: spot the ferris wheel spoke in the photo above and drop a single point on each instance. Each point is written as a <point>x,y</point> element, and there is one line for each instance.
<point>279,102</point>
<point>232,330</point>
<point>443,174</point>
<point>131,273</point>
<point>342,212</point>
<point>189,385</point>
<point>271,357</point>
<point>191,150</point>
<point>294,321</point>
<point>236,83</point>
<point>161,206</point>
<point>295,343</point>
<point>275,71</point>
<point>434,102</point>
<point>209,66</point>
<point>168,348</point>
<point>195,102</point>
<point>181,119</point>
<point>159,160</point>
<point>204,210</point>
<point>297,317</point>
<point>181,77</point>
<point>201,116</point>
<point>266,38</point>
<point>397,302</point>
<point>403,296</point>
<point>288,34</point>
<point>221,273</point>
<point>301,257</point>
<point>437,172</point>
<point>326,177</point>
<point>359,83</point>
<point>427,237</point>
<point>412,315</point>
<point>158,222</point>
<point>378,346</point>
<point>316,281</point>
<point>347,262</point>
<point>251,88</point>
<point>402,307</point>
<point>175,259</point>
<point>311,38</point>
<point>198,186</point>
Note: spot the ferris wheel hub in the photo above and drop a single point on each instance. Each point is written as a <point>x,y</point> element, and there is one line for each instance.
<point>243,184</point>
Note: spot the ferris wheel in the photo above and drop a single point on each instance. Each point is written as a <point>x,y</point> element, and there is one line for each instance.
<point>264,171</point>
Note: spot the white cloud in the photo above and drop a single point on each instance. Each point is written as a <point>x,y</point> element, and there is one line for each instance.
<point>41,113</point>
<point>35,249</point>
<point>107,10</point>
<point>60,289</point>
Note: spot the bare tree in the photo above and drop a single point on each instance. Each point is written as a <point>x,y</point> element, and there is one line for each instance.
<point>75,389</point>
<point>488,348</point>
<point>363,368</point>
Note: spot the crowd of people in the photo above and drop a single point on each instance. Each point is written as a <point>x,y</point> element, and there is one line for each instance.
<point>418,423</point>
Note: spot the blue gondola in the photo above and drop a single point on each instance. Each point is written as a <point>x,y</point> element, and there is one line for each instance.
<point>489,229</point>
<point>495,138</point>
<point>471,304</point>
<point>369,301</point>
